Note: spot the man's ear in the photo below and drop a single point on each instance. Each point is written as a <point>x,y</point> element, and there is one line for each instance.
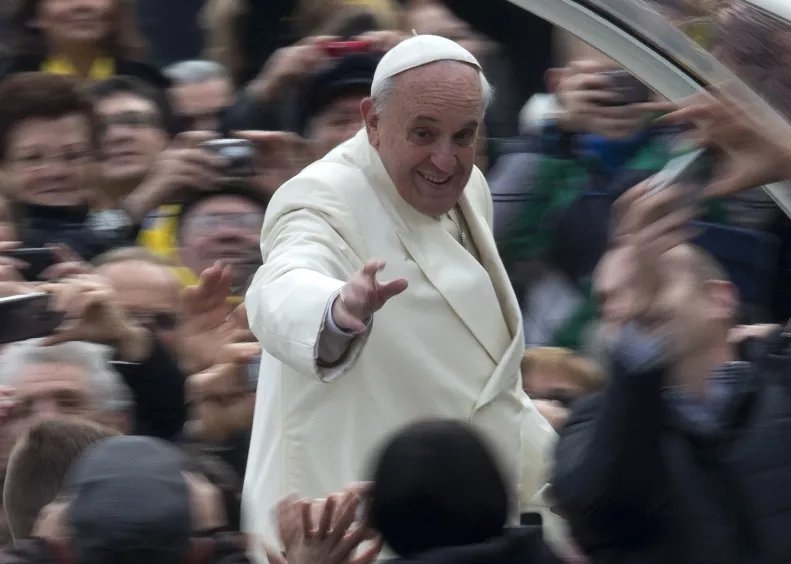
<point>724,299</point>
<point>371,119</point>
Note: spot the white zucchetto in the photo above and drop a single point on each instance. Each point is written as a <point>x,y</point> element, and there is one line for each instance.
<point>418,51</point>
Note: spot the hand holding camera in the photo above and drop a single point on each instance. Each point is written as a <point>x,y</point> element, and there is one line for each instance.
<point>595,99</point>
<point>186,163</point>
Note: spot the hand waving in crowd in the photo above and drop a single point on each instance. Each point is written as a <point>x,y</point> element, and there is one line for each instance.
<point>209,323</point>
<point>327,533</point>
<point>754,155</point>
<point>93,314</point>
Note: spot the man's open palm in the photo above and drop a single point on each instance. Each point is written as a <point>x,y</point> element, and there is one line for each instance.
<point>363,295</point>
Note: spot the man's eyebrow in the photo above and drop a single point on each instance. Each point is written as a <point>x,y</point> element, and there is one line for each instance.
<point>426,118</point>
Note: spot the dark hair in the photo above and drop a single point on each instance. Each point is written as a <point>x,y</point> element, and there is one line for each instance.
<point>135,87</point>
<point>124,41</point>
<point>436,484</point>
<point>28,96</point>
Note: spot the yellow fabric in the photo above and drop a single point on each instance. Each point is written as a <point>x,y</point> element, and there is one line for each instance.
<point>101,69</point>
<point>158,235</point>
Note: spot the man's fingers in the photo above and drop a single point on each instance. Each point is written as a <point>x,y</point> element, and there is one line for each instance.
<point>391,289</point>
<point>372,268</point>
<point>369,555</point>
<point>192,139</point>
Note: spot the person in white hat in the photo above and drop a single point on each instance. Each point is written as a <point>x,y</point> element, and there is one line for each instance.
<point>350,358</point>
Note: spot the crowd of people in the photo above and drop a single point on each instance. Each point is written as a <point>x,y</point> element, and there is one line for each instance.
<point>330,282</point>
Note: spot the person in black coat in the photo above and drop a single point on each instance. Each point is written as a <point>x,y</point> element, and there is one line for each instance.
<point>79,40</point>
<point>439,496</point>
<point>684,457</point>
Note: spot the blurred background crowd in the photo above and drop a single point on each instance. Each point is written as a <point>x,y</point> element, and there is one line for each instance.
<point>140,143</point>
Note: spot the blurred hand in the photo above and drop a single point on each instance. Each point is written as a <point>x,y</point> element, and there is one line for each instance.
<point>583,92</point>
<point>10,268</point>
<point>51,522</point>
<point>382,41</point>
<point>741,333</point>
<point>93,314</point>
<point>363,295</point>
<point>7,403</point>
<point>208,322</point>
<point>280,155</point>
<point>331,538</point>
<point>69,264</point>
<point>753,155</point>
<point>222,398</point>
<point>183,164</point>
<point>206,504</point>
<point>288,66</point>
<point>648,225</point>
<point>553,412</point>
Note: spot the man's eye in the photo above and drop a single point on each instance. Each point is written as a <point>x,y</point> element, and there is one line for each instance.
<point>465,137</point>
<point>422,135</point>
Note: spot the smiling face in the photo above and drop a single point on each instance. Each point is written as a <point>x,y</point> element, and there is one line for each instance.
<point>75,21</point>
<point>50,162</point>
<point>426,133</point>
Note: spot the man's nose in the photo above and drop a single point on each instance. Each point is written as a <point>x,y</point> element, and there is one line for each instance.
<point>443,157</point>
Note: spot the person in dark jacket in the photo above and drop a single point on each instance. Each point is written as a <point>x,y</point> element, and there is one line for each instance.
<point>683,458</point>
<point>438,495</point>
<point>88,40</point>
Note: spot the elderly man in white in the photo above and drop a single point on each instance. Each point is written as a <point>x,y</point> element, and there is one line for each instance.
<point>350,359</point>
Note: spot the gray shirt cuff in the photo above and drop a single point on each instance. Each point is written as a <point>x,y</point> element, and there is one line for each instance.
<point>333,327</point>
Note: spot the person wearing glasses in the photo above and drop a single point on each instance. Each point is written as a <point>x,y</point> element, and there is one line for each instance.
<point>50,157</point>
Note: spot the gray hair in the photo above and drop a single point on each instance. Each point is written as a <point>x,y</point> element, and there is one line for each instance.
<point>381,92</point>
<point>194,72</point>
<point>107,387</point>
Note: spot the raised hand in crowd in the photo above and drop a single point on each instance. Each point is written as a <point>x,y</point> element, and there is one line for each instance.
<point>648,225</point>
<point>754,154</point>
<point>69,264</point>
<point>327,533</point>
<point>93,314</point>
<point>583,92</point>
<point>209,322</point>
<point>363,295</point>
<point>288,66</point>
<point>223,396</point>
<point>183,164</point>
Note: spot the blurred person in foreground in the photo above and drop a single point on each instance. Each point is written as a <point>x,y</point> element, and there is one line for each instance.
<point>131,499</point>
<point>38,465</point>
<point>553,202</point>
<point>683,457</point>
<point>349,358</point>
<point>438,495</point>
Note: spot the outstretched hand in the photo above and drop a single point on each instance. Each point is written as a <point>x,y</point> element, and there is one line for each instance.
<point>363,295</point>
<point>753,154</point>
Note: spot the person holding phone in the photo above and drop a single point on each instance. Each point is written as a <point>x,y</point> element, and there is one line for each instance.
<point>596,139</point>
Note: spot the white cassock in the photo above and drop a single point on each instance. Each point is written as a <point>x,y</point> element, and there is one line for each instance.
<point>449,346</point>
